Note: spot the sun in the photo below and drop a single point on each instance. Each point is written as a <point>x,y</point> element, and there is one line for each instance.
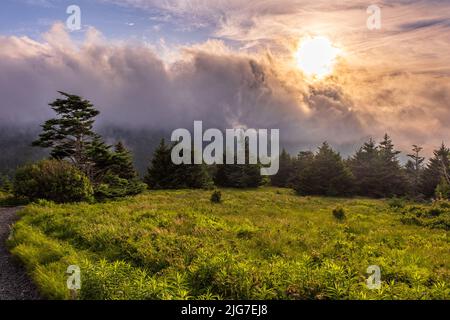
<point>316,57</point>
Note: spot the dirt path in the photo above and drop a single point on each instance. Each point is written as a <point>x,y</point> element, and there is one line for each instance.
<point>14,282</point>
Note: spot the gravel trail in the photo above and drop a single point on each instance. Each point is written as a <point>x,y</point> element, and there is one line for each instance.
<point>14,281</point>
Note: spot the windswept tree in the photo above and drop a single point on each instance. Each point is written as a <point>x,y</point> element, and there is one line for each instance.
<point>70,134</point>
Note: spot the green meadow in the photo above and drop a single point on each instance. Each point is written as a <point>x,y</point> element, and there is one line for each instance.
<point>266,243</point>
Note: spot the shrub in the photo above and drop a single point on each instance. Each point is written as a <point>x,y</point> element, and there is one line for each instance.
<point>54,180</point>
<point>443,204</point>
<point>435,212</point>
<point>113,186</point>
<point>436,216</point>
<point>216,196</point>
<point>396,203</point>
<point>339,213</point>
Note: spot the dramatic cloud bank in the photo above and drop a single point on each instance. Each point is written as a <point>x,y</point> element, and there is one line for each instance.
<point>135,88</point>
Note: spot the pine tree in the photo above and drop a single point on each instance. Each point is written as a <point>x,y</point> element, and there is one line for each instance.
<point>299,164</point>
<point>387,152</point>
<point>285,172</point>
<point>161,170</point>
<point>435,171</point>
<point>325,175</point>
<point>123,162</point>
<point>414,168</point>
<point>251,176</point>
<point>195,176</point>
<point>100,160</point>
<point>70,134</point>
<point>392,179</point>
<point>114,171</point>
<point>365,168</point>
<point>164,174</point>
<point>238,175</point>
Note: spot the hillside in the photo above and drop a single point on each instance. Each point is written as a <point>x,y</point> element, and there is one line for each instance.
<point>257,244</point>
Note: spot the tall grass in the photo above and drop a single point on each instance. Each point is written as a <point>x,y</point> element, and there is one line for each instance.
<point>257,244</point>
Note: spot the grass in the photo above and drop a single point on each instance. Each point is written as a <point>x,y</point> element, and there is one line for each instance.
<point>256,244</point>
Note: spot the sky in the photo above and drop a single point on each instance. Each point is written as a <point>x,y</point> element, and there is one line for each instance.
<point>163,64</point>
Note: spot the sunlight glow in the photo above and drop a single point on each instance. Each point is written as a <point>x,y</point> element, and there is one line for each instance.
<point>316,57</point>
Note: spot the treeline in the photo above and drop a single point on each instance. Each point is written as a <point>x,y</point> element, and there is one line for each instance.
<point>83,167</point>
<point>163,174</point>
<point>374,171</point>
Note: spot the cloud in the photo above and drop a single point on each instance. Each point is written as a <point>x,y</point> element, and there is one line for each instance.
<point>134,88</point>
<point>40,3</point>
<point>413,31</point>
<point>424,24</point>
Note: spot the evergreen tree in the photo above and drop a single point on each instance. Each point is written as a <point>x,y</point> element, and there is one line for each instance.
<point>325,175</point>
<point>195,176</point>
<point>393,180</point>
<point>252,177</point>
<point>100,159</point>
<point>163,174</point>
<point>414,168</point>
<point>285,172</point>
<point>436,171</point>
<point>377,170</point>
<point>161,170</point>
<point>365,169</point>
<point>123,162</point>
<point>303,160</point>
<point>70,134</point>
<point>115,171</point>
<point>238,175</point>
